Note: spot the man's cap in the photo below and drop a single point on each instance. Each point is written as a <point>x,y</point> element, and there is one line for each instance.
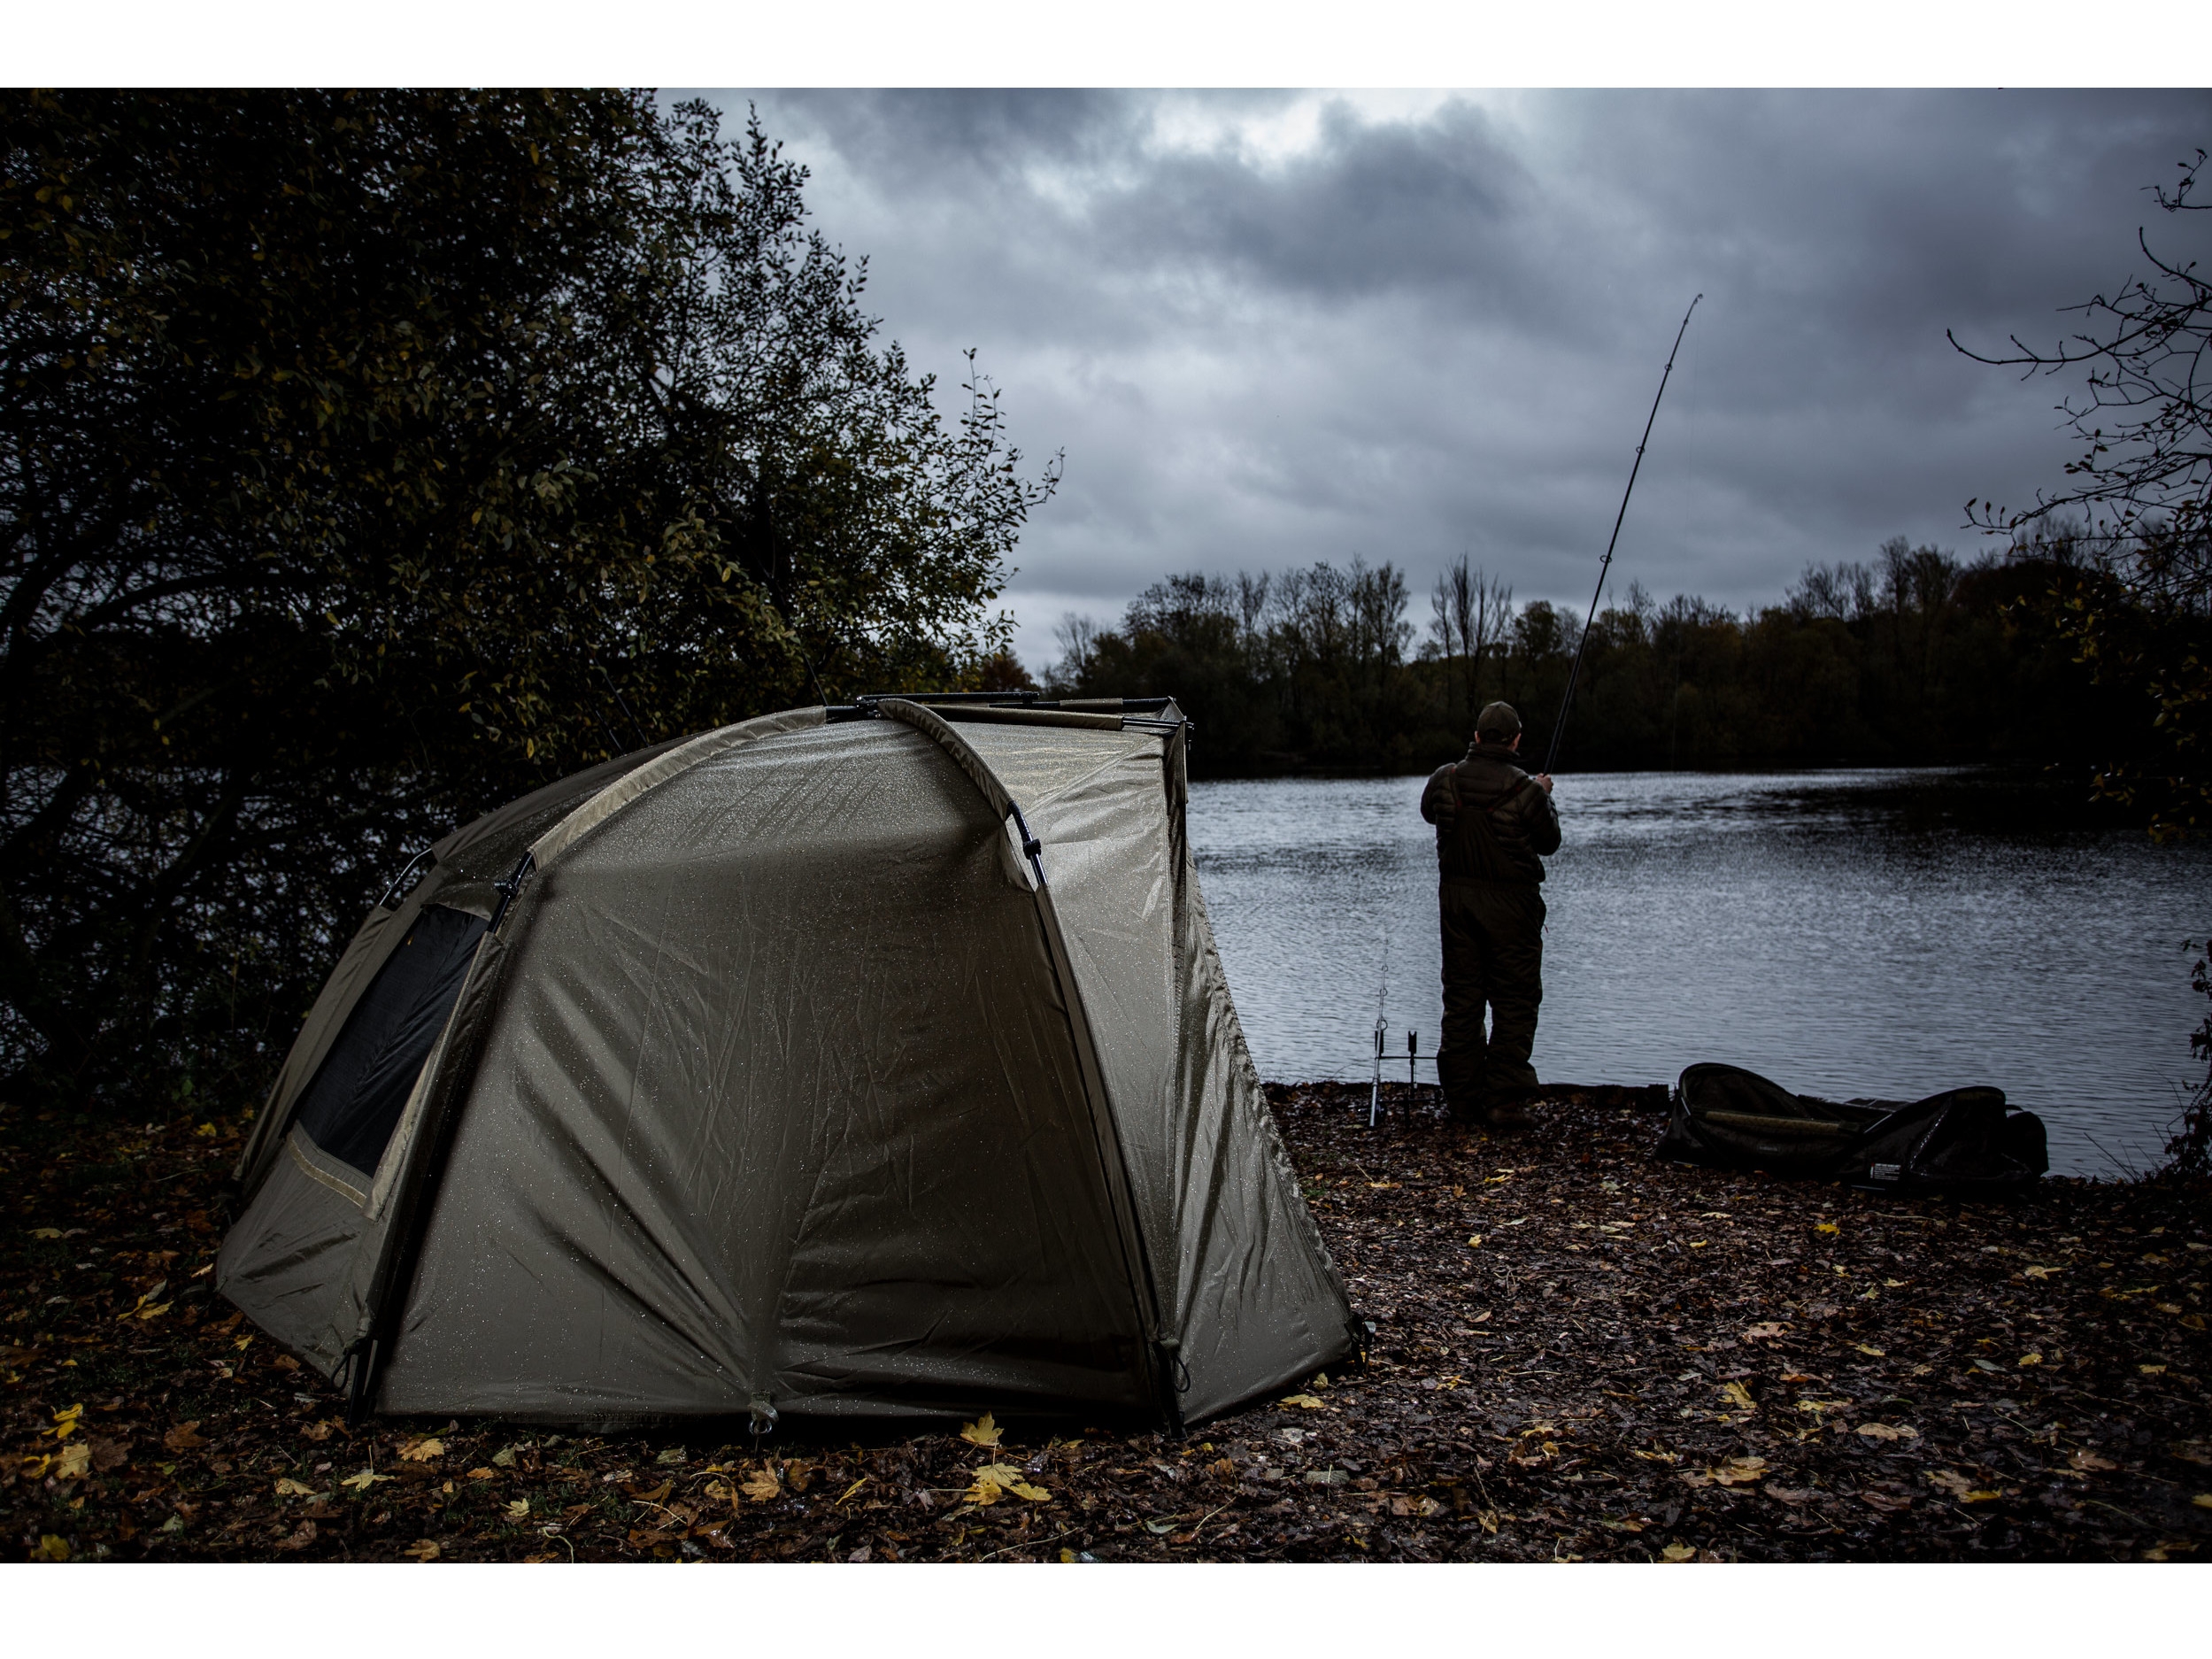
<point>1498,721</point>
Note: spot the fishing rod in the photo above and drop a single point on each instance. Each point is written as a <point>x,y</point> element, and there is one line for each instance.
<point>1559,727</point>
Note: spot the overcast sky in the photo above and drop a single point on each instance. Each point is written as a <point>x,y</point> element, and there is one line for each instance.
<point>1270,329</point>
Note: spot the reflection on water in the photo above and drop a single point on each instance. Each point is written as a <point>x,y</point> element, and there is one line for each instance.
<point>1847,933</point>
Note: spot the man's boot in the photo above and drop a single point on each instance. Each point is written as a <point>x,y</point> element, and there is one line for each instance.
<point>1507,1112</point>
<point>1463,1112</point>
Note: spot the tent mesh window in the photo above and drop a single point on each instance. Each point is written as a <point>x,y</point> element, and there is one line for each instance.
<point>350,1110</point>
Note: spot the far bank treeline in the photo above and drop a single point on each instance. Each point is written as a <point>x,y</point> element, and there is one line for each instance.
<point>1916,657</point>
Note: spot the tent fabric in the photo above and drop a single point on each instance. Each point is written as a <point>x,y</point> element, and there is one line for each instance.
<point>785,1086</point>
<point>463,866</point>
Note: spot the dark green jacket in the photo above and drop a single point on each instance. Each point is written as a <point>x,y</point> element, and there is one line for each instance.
<point>1521,821</point>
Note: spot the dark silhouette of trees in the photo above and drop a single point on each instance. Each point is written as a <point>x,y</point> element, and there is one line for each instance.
<point>2135,598</point>
<point>1912,658</point>
<point>367,460</point>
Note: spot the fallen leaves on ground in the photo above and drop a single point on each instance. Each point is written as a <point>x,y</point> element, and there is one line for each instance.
<point>1739,1471</point>
<point>1562,1393</point>
<point>993,1479</point>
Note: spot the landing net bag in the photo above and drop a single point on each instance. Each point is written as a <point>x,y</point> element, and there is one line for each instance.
<point>1961,1140</point>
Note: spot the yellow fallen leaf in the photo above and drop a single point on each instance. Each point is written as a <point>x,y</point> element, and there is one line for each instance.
<point>2038,1273</point>
<point>1738,1395</point>
<point>422,1451</point>
<point>206,1130</point>
<point>1304,1402</point>
<point>45,1232</point>
<point>2167,1308</point>
<point>1321,1380</point>
<point>1475,1242</point>
<point>51,1548</point>
<point>760,1487</point>
<point>35,1468</point>
<point>1888,1431</point>
<point>363,1481</point>
<point>2203,1501</point>
<point>519,1509</point>
<point>242,1344</point>
<point>144,1310</point>
<point>996,1478</point>
<point>1824,1226</point>
<point>983,1431</point>
<point>1656,1457</point>
<point>2031,1358</point>
<point>287,1487</point>
<point>1677,1552</point>
<point>1766,1330</point>
<point>1739,1471</point>
<point>2152,1370</point>
<point>1695,1244</point>
<point>65,1422</point>
<point>426,1550</point>
<point>484,1474</point>
<point>1870,1352</point>
<point>75,1462</point>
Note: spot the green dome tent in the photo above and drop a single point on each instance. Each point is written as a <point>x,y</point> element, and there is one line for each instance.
<point>872,1060</point>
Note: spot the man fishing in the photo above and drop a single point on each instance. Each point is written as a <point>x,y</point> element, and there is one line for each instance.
<point>1495,823</point>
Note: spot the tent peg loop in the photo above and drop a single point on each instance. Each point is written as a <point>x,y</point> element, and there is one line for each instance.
<point>764,1418</point>
<point>1176,1375</point>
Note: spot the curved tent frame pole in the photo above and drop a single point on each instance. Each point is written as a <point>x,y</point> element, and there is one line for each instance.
<point>399,882</point>
<point>1171,1374</point>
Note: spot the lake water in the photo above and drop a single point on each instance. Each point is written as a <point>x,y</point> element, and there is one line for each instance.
<point>1847,933</point>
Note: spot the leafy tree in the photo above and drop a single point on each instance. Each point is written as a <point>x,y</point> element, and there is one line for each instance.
<point>2137,603</point>
<point>367,460</point>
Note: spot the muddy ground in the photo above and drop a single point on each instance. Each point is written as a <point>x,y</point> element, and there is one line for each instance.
<point>1579,1353</point>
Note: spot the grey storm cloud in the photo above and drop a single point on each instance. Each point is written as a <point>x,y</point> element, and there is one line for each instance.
<point>1269,328</point>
